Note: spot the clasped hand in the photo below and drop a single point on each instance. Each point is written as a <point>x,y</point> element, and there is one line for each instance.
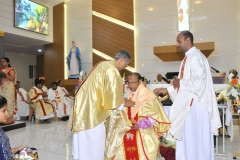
<point>129,102</point>
<point>135,127</point>
<point>44,94</point>
<point>162,91</point>
<point>176,83</point>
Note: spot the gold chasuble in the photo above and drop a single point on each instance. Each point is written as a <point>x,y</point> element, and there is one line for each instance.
<point>142,144</point>
<point>99,94</point>
<point>43,108</point>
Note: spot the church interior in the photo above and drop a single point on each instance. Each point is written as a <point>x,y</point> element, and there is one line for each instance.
<point>62,40</point>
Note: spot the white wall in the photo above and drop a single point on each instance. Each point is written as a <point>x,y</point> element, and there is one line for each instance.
<point>211,20</point>
<point>7,21</point>
<point>79,29</point>
<point>21,62</point>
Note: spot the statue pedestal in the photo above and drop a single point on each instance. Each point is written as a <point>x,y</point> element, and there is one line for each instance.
<point>73,77</point>
<point>15,125</point>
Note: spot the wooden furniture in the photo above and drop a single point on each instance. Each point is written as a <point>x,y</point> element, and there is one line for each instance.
<point>171,53</point>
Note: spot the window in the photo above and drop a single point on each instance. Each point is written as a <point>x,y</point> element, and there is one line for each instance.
<point>32,71</point>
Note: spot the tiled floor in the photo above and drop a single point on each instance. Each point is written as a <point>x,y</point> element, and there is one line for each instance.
<point>230,147</point>
<point>54,141</point>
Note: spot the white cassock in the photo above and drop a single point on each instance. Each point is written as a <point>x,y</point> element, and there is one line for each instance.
<point>60,106</point>
<point>158,82</point>
<point>23,107</point>
<point>67,100</point>
<point>90,140</point>
<point>229,121</point>
<point>194,114</point>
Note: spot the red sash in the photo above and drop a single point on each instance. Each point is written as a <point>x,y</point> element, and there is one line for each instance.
<point>20,93</point>
<point>130,140</point>
<point>64,105</point>
<point>14,82</point>
<point>64,109</point>
<point>182,70</point>
<point>56,105</point>
<point>67,94</point>
<point>43,109</point>
<point>183,67</point>
<point>182,73</point>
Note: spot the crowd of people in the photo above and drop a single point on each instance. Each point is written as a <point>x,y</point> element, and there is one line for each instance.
<point>134,124</point>
<point>42,102</point>
<point>107,126</point>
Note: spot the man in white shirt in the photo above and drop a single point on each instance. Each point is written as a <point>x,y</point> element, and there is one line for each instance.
<point>68,99</point>
<point>23,107</point>
<point>194,114</point>
<point>160,80</point>
<point>56,100</point>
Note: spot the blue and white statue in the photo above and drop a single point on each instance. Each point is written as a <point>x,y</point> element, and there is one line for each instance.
<point>74,60</point>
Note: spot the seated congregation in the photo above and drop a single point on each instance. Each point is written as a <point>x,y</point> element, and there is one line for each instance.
<point>43,104</point>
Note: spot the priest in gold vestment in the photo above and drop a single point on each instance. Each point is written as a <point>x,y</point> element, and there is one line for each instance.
<point>99,95</point>
<point>44,109</point>
<point>149,121</point>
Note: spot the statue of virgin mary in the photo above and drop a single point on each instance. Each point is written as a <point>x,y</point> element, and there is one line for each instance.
<point>74,60</point>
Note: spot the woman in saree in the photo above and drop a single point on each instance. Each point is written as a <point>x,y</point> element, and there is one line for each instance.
<point>7,86</point>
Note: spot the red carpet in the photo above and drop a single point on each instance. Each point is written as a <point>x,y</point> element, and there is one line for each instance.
<point>167,153</point>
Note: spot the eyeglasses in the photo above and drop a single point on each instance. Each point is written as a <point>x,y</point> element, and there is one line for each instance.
<point>129,83</point>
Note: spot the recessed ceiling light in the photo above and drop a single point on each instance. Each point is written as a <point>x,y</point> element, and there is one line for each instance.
<point>39,50</point>
<point>150,9</point>
<point>198,2</point>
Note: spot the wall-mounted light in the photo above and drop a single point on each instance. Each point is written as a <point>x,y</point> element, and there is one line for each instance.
<point>39,50</point>
<point>150,9</point>
<point>198,2</point>
<point>65,43</point>
<point>103,55</point>
<point>113,20</point>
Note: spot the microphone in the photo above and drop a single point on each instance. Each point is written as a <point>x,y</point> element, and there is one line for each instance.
<point>217,71</point>
<point>166,80</point>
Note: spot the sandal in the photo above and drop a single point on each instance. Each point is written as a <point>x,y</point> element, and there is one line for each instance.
<point>47,121</point>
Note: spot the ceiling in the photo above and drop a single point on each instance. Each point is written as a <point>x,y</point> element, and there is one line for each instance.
<point>52,2</point>
<point>20,44</point>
